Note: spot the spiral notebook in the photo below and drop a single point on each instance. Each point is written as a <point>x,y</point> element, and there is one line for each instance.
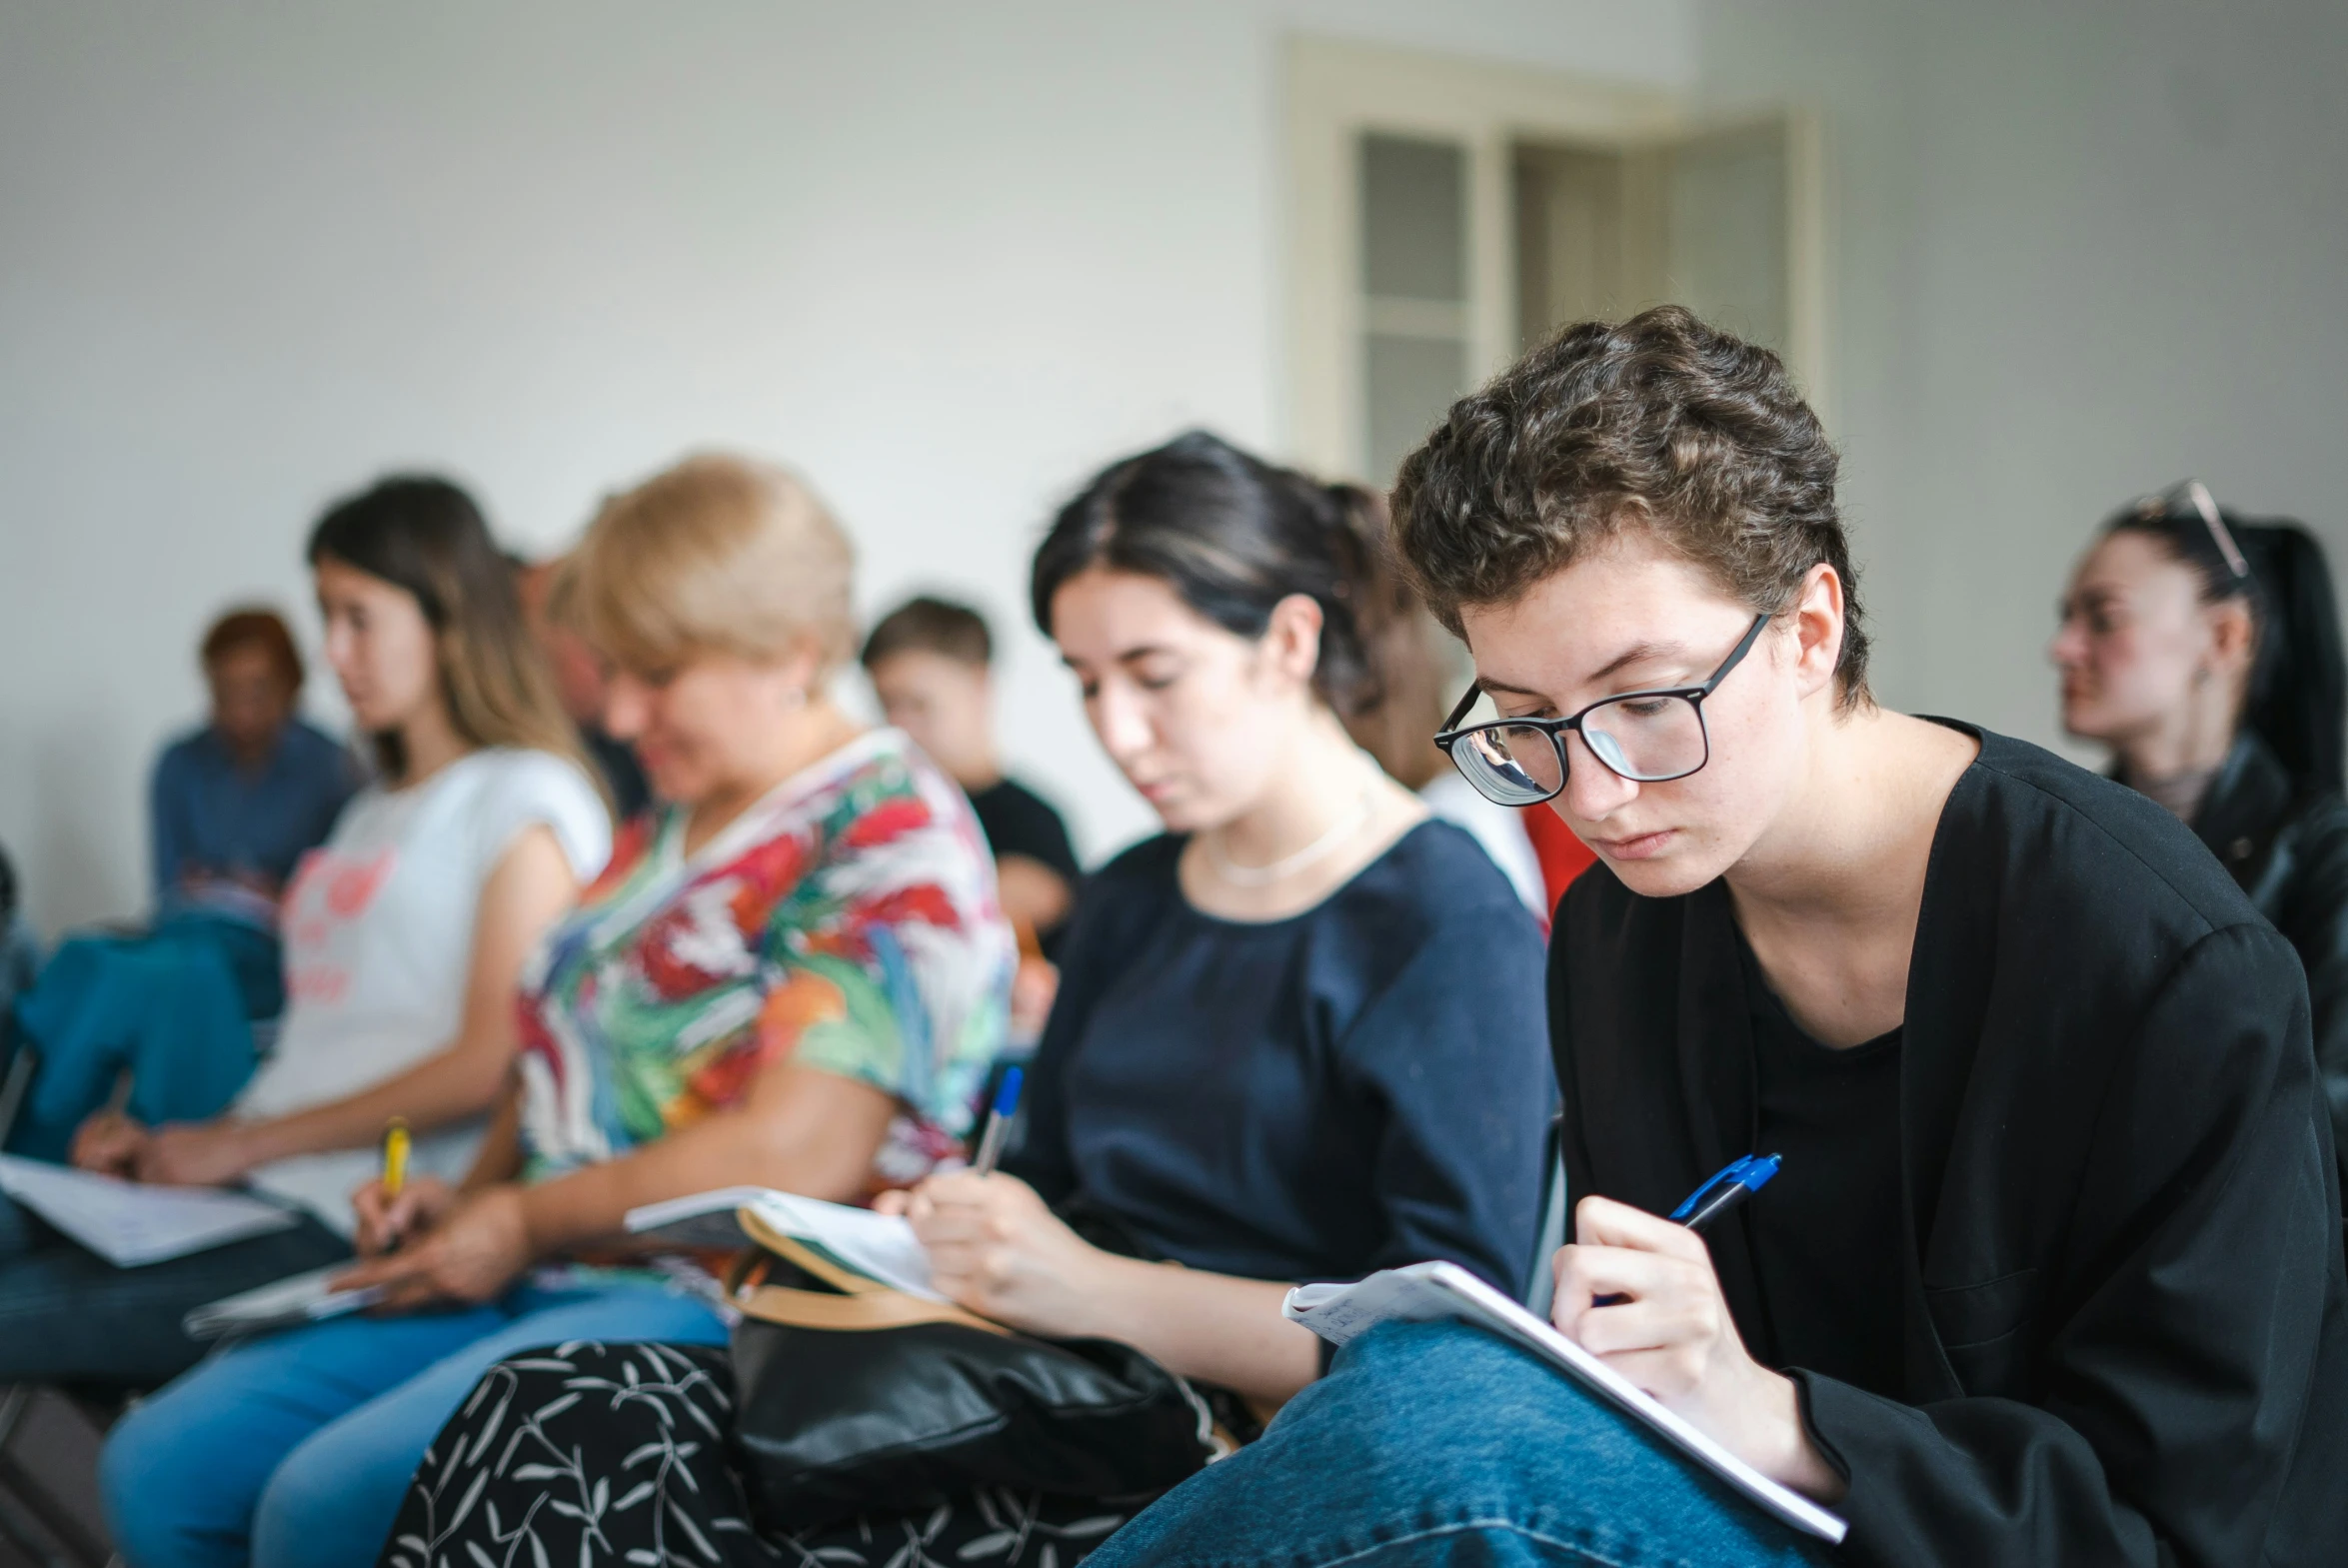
<point>1425,1292</point>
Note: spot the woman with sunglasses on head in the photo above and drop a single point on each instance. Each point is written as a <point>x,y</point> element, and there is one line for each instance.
<point>2204,650</point>
<point>2052,1272</point>
<point>1297,1037</point>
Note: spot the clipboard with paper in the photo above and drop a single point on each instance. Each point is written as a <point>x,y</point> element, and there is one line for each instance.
<point>1423,1292</point>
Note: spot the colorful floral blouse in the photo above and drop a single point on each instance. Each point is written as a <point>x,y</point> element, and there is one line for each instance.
<point>847,921</point>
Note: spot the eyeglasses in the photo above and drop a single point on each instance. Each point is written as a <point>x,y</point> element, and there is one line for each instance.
<point>1645,736</point>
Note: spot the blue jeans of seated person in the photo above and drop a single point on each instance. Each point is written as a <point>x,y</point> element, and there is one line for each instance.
<point>69,1317</point>
<point>1439,1443</point>
<point>294,1450</point>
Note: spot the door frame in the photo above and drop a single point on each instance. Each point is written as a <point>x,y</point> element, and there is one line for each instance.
<point>1337,88</point>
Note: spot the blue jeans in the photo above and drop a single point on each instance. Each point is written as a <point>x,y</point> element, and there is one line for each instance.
<point>1439,1443</point>
<point>69,1317</point>
<point>293,1451</point>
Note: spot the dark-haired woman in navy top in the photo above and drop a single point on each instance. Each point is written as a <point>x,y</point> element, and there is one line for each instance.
<point>1299,1036</point>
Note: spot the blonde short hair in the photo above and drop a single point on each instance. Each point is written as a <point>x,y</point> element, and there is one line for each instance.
<point>718,555</point>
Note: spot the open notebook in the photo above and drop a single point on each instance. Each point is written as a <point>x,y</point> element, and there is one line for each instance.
<point>878,1246</point>
<point>127,1224</point>
<point>1427,1291</point>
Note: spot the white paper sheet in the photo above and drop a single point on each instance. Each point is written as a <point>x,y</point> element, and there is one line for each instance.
<point>128,1223</point>
<point>1427,1291</point>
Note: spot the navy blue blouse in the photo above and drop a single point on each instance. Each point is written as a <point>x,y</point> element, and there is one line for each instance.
<point>1362,1085</point>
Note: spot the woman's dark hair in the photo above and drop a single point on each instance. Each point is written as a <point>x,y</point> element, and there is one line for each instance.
<point>1660,424</point>
<point>2297,701</point>
<point>425,536</point>
<point>1233,536</point>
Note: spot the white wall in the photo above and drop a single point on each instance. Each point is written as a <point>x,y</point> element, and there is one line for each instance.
<point>946,258</point>
<point>2085,249</point>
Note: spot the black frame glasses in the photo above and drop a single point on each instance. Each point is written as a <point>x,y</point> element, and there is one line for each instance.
<point>1557,728</point>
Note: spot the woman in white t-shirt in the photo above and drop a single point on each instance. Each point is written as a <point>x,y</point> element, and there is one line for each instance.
<point>403,936</point>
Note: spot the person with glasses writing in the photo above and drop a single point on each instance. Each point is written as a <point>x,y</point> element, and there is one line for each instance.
<point>2204,650</point>
<point>2051,1269</point>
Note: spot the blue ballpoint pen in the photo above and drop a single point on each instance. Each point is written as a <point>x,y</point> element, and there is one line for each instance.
<point>1724,1191</point>
<point>1007,1104</point>
<point>1740,1181</point>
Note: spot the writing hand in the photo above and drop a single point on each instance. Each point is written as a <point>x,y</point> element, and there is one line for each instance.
<point>1665,1326</point>
<point>471,1255</point>
<point>108,1142</point>
<point>996,1248</point>
<point>385,1222</point>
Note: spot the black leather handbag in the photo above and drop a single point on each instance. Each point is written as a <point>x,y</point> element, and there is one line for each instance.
<point>854,1398</point>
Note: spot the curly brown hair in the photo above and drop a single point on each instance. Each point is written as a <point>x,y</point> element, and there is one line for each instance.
<point>1660,422</point>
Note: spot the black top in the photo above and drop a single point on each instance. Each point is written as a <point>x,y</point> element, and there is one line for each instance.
<point>1020,822</point>
<point>2122,1312</point>
<point>1819,1227</point>
<point>2287,845</point>
<point>1315,1099</point>
<point>622,773</point>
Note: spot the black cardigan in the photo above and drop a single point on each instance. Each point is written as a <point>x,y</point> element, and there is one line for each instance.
<point>2124,1312</point>
<point>2287,847</point>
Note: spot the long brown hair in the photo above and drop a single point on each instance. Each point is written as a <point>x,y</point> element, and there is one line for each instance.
<point>425,536</point>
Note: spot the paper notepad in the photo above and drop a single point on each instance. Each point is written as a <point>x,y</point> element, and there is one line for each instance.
<point>1427,1291</point>
<point>878,1246</point>
<point>128,1223</point>
<point>304,1298</point>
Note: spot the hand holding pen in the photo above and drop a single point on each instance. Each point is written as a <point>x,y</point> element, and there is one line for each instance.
<point>1638,1291</point>
<point>393,1207</point>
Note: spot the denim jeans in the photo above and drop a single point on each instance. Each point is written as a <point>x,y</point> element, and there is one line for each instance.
<point>69,1317</point>
<point>293,1451</point>
<point>1439,1443</point>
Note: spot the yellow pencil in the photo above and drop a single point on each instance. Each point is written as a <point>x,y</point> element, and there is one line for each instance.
<point>394,1157</point>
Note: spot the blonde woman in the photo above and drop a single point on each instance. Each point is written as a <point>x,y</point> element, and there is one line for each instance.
<point>792,976</point>
<point>403,938</point>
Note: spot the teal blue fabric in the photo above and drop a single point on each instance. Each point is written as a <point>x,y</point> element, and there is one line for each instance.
<point>174,1005</point>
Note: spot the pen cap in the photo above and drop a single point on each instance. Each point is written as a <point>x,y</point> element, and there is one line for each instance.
<point>1007,1098</point>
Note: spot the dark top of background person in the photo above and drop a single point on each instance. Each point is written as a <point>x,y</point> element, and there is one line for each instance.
<point>2272,811</point>
<point>241,798</point>
<point>2105,1129</point>
<point>1018,820</point>
<point>1358,1086</point>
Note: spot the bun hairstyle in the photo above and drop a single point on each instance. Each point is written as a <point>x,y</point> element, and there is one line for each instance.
<point>2297,701</point>
<point>1232,536</point>
<point>426,536</point>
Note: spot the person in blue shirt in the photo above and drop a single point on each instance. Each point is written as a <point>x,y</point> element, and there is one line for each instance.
<point>234,805</point>
<point>237,802</point>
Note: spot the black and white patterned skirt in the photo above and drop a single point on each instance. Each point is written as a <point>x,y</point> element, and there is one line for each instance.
<point>588,1454</point>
